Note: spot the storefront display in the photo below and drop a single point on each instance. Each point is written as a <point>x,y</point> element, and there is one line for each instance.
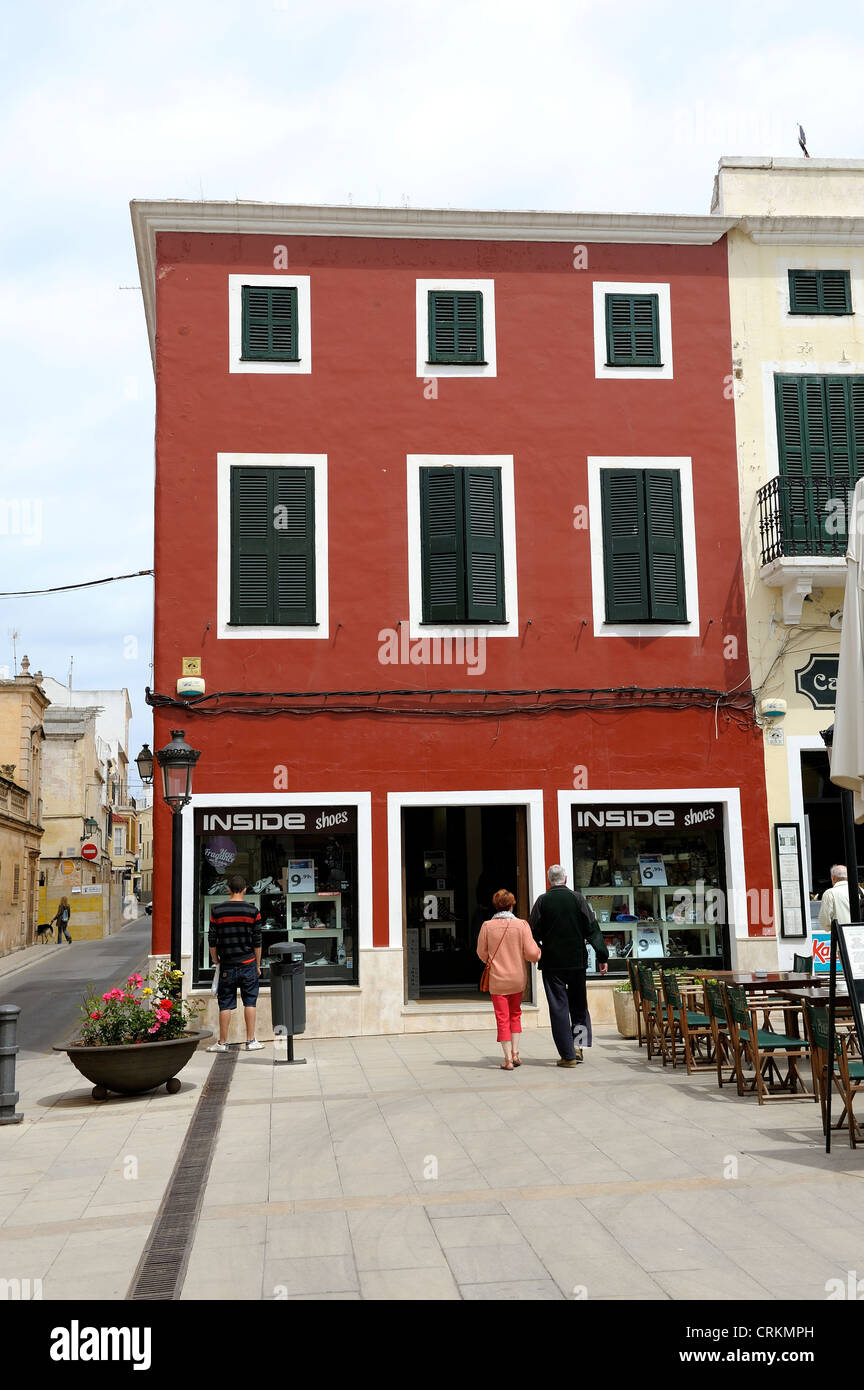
<point>656,876</point>
<point>300,865</point>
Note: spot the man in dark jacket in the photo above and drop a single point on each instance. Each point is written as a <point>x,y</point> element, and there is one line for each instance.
<point>562,922</point>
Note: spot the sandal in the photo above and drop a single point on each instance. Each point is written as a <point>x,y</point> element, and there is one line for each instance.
<point>506,1066</point>
<point>517,1060</point>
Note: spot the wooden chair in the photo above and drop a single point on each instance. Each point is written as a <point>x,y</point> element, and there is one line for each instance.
<point>716,1002</point>
<point>633,976</point>
<point>848,1072</point>
<point>762,1047</point>
<point>690,1025</point>
<point>653,1014</point>
<point>802,965</point>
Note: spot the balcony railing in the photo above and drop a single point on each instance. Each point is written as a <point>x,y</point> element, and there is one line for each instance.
<point>804,516</point>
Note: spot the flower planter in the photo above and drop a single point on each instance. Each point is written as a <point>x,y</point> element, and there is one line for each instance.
<point>625,1013</point>
<point>134,1067</point>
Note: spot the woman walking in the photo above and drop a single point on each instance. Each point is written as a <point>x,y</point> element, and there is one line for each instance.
<point>64,912</point>
<point>505,943</point>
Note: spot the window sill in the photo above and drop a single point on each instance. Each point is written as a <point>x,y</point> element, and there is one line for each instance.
<point>628,366</point>
<point>458,362</point>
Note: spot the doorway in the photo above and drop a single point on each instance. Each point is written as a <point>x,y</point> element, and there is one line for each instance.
<point>454,858</point>
<point>823,819</point>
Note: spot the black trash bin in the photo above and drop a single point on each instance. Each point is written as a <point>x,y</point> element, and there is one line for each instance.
<point>288,991</point>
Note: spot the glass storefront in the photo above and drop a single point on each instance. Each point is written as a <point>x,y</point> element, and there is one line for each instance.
<point>656,879</point>
<point>300,866</point>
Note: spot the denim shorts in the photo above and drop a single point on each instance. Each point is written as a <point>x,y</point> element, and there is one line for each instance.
<point>233,976</point>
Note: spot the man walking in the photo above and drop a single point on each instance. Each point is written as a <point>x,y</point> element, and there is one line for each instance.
<point>235,946</point>
<point>562,922</point>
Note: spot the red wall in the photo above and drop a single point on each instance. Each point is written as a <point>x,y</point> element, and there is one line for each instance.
<point>364,407</point>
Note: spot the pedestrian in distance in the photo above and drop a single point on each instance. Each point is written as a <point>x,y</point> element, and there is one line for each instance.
<point>61,917</point>
<point>834,905</point>
<point>505,943</point>
<point>563,923</point>
<point>235,946</point>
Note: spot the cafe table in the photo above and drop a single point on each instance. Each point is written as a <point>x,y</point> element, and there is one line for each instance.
<point>761,982</point>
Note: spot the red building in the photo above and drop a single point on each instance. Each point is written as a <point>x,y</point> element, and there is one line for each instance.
<point>447,508</point>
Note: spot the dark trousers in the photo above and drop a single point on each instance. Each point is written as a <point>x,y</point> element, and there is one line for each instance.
<point>568,1009</point>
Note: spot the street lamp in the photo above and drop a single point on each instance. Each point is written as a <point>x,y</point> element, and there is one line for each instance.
<point>177,761</point>
<point>145,765</point>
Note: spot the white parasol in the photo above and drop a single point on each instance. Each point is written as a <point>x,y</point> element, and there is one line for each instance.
<point>847,753</point>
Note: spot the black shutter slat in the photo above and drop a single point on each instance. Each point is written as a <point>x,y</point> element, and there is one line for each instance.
<point>484,546</point>
<point>633,330</point>
<point>294,531</point>
<point>442,549</point>
<point>456,327</point>
<point>820,292</point>
<point>272,546</point>
<point>269,319</point>
<point>251,546</point>
<point>623,508</point>
<point>665,552</point>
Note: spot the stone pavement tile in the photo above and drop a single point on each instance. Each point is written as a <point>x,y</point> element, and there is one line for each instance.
<point>526,1290</point>
<point>395,1238</point>
<point>108,1210</point>
<point>99,1286</point>
<point>33,1212</point>
<point>796,1267</point>
<point>8,1203</point>
<point>29,1258</point>
<point>100,1252</point>
<point>664,1250</point>
<point>404,1285</point>
<point>464,1209</point>
<point>223,1233</point>
<point>375,1182</point>
<point>578,1276</point>
<point>228,1284</point>
<point>578,1168</point>
<point>318,1297</point>
<point>491,1264</point>
<point>455,1231</point>
<point>710,1285</point>
<point>317,1274</point>
<point>727,1217</point>
<point>558,1228</point>
<point>304,1234</point>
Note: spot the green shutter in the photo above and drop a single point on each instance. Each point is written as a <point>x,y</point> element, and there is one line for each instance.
<point>272,546</point>
<point>665,546</point>
<point>442,546</point>
<point>820,436</point>
<point>456,327</point>
<point>623,515</point>
<point>633,330</point>
<point>269,323</point>
<point>820,292</point>
<point>484,546</point>
<point>294,528</point>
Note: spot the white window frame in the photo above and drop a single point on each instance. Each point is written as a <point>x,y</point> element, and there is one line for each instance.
<point>304,324</point>
<point>429,370</point>
<point>121,831</point>
<point>684,467</point>
<point>416,626</point>
<point>818,261</point>
<point>664,310</point>
<point>224,629</point>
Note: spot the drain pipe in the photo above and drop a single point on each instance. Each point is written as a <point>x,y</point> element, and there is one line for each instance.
<point>8,1050</point>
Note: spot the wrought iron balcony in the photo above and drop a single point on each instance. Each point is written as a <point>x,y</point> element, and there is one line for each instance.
<point>804,517</point>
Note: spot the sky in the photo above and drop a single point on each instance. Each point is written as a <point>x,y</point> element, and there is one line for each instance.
<point>557,104</point>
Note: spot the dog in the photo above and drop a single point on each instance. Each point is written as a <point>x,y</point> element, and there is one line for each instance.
<point>44,930</point>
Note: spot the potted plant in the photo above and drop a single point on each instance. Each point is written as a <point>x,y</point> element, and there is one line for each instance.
<point>625,1010</point>
<point>133,1039</point>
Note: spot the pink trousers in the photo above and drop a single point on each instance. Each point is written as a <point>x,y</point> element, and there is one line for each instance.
<point>508,1014</point>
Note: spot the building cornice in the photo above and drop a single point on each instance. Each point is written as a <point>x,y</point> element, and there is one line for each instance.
<point>438,224</point>
<point>804,231</point>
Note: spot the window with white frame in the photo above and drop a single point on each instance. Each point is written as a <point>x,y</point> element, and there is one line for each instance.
<point>269,323</point>
<point>119,841</point>
<point>632,330</point>
<point>456,328</point>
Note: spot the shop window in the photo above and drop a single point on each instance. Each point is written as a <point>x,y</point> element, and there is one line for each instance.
<point>643,546</point>
<point>272,546</point>
<point>655,877</point>
<point>300,867</point>
<point>632,330</point>
<point>462,545</point>
<point>820,292</point>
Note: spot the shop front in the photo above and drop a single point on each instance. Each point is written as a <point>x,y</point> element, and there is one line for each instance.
<point>300,864</point>
<point>659,875</point>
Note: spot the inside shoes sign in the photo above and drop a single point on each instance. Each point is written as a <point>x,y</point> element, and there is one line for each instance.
<point>276,820</point>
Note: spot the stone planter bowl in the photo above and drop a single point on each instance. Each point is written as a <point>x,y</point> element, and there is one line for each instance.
<point>625,1013</point>
<point>134,1068</point>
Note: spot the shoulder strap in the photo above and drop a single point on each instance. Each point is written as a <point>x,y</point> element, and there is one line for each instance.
<point>498,947</point>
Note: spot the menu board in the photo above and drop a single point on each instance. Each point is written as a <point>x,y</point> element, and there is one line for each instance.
<point>790,877</point>
<point>853,935</point>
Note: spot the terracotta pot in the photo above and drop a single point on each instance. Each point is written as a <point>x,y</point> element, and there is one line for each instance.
<point>625,1013</point>
<point>134,1067</point>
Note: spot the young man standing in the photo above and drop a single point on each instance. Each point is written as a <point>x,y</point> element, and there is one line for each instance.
<point>562,923</point>
<point>235,946</point>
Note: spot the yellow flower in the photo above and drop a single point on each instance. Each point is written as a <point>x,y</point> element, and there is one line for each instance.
<point>146,991</point>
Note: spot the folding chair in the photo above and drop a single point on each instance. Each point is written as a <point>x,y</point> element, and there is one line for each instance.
<point>652,1014</point>
<point>720,1031</point>
<point>762,1047</point>
<point>848,1072</point>
<point>690,1025</point>
<point>633,975</point>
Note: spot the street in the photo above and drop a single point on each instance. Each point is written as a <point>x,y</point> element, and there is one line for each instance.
<point>49,992</point>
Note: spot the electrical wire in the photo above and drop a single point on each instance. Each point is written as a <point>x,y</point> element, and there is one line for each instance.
<point>64,588</point>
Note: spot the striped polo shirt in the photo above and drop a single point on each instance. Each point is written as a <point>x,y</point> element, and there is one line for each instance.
<point>235,931</point>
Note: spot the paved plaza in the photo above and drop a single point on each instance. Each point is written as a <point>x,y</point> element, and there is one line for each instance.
<point>411,1167</point>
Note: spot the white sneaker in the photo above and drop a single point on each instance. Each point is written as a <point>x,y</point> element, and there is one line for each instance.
<point>217,1047</point>
<point>254,1046</point>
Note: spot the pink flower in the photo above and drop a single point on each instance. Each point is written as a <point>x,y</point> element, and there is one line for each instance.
<point>154,1029</point>
<point>135,980</point>
<point>162,1016</point>
<point>96,1014</point>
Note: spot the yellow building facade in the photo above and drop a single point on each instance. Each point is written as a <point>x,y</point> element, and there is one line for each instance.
<point>22,706</point>
<point>796,285</point>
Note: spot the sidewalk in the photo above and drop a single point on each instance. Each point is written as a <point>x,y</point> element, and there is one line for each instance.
<point>410,1167</point>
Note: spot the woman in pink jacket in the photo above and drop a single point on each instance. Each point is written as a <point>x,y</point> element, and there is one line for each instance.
<point>507,943</point>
